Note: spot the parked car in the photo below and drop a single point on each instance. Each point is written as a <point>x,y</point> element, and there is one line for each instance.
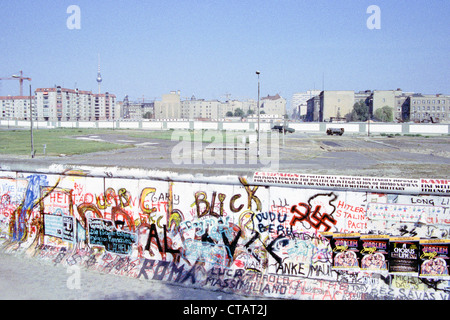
<point>283,129</point>
<point>333,131</point>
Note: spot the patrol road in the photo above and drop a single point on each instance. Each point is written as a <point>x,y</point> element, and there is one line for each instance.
<point>310,153</point>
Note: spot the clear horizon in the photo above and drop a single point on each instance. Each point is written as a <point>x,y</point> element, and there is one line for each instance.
<point>213,48</point>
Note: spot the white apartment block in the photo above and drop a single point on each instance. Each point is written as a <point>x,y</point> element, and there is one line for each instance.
<point>171,107</point>
<point>16,107</point>
<point>105,107</point>
<point>273,105</point>
<point>201,109</point>
<point>62,104</point>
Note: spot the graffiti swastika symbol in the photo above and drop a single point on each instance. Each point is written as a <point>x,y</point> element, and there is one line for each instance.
<point>316,220</point>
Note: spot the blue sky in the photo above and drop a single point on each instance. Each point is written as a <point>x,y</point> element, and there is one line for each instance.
<point>211,48</point>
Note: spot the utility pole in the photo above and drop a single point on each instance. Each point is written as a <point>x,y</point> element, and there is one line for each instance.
<point>258,73</point>
<point>31,125</point>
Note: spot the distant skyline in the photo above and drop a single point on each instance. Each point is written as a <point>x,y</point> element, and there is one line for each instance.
<point>213,48</point>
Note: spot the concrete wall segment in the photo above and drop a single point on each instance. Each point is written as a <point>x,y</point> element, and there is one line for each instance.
<point>318,127</point>
<point>227,233</point>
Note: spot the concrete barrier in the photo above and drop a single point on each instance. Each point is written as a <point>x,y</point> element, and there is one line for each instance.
<point>309,127</point>
<point>429,128</point>
<point>271,235</point>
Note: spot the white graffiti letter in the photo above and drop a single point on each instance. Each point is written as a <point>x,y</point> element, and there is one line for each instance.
<point>74,281</point>
<point>181,152</point>
<point>270,150</point>
<point>374,21</point>
<point>74,21</point>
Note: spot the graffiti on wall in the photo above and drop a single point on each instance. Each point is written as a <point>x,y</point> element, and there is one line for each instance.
<point>275,241</point>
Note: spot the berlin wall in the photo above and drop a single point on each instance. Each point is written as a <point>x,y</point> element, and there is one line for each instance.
<point>288,236</point>
<point>266,125</point>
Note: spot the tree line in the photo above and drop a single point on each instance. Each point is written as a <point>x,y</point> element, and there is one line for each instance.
<point>361,112</point>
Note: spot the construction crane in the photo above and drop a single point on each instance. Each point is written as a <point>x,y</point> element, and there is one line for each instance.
<point>227,96</point>
<point>19,77</point>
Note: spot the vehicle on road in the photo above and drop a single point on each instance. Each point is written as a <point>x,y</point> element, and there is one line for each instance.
<point>335,131</point>
<point>283,129</point>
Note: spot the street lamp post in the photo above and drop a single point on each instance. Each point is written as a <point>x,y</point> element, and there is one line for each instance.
<point>31,115</point>
<point>31,125</point>
<point>258,73</point>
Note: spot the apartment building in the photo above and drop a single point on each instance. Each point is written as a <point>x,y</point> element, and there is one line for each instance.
<point>429,108</point>
<point>405,105</point>
<point>104,107</point>
<point>273,105</point>
<point>62,104</point>
<point>17,107</point>
<point>194,108</point>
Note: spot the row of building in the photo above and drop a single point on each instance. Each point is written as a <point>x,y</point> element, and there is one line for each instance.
<point>329,105</point>
<point>62,104</point>
<point>172,107</point>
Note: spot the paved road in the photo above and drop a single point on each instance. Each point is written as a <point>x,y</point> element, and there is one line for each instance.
<point>414,157</point>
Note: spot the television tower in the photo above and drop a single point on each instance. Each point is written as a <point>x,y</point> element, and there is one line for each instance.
<point>99,76</point>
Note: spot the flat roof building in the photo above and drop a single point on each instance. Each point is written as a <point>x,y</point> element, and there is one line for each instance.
<point>429,108</point>
<point>16,107</point>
